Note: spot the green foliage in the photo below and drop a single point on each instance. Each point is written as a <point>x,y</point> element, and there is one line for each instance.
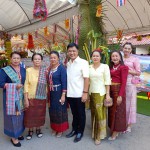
<point>84,25</point>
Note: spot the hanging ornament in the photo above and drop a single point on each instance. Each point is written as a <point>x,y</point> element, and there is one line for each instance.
<point>16,35</point>
<point>67,22</point>
<point>21,36</point>
<point>40,45</point>
<point>56,44</point>
<point>120,2</point>
<point>46,31</point>
<point>99,11</point>
<point>77,36</point>
<point>30,41</point>
<point>36,34</point>
<point>139,38</point>
<point>25,45</point>
<point>119,34</point>
<point>148,36</point>
<point>40,10</point>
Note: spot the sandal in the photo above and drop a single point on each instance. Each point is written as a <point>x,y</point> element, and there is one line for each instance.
<point>128,129</point>
<point>20,138</point>
<point>97,142</point>
<point>112,138</point>
<point>29,136</point>
<point>53,133</point>
<point>39,133</point>
<point>59,134</point>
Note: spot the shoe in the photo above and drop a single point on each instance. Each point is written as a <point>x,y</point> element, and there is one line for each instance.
<point>59,134</point>
<point>53,133</point>
<point>39,133</point>
<point>20,138</point>
<point>71,134</point>
<point>113,138</point>
<point>78,138</point>
<point>97,142</point>
<point>29,136</point>
<point>128,129</point>
<point>17,144</point>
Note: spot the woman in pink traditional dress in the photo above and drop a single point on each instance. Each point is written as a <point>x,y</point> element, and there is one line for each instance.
<point>131,93</point>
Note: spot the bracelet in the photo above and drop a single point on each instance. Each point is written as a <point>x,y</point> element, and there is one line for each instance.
<point>85,92</point>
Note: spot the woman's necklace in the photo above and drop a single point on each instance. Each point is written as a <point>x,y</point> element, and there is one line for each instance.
<point>115,68</point>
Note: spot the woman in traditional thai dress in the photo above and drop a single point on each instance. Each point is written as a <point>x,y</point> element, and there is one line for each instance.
<point>99,90</point>
<point>131,92</point>
<point>117,113</point>
<point>35,96</point>
<point>57,81</point>
<point>12,79</point>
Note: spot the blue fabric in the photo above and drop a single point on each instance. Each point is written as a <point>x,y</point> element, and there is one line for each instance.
<point>13,125</point>
<point>58,113</point>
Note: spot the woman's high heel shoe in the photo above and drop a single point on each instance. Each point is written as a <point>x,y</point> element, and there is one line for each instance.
<point>113,138</point>
<point>59,134</point>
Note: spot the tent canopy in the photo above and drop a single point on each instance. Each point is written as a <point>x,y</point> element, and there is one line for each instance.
<point>16,16</point>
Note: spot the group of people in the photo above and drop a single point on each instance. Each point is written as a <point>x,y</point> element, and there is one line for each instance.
<point>26,92</point>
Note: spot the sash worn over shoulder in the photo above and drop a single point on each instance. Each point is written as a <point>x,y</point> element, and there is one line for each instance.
<point>15,102</point>
<point>42,85</point>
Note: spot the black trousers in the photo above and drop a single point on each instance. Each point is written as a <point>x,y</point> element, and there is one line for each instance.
<point>78,112</point>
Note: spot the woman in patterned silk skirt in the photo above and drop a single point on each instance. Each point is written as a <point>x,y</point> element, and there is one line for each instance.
<point>117,113</point>
<point>99,90</point>
<point>131,93</point>
<point>35,96</point>
<point>13,75</point>
<point>57,81</point>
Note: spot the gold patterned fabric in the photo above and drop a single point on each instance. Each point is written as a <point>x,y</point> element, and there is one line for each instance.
<point>98,116</point>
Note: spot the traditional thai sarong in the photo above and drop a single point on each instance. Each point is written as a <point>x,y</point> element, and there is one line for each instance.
<point>58,113</point>
<point>131,101</point>
<point>131,92</point>
<point>117,113</point>
<point>98,116</point>
<point>12,99</point>
<point>35,113</point>
<point>13,124</point>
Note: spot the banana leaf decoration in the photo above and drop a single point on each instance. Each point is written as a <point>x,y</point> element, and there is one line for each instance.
<point>94,37</point>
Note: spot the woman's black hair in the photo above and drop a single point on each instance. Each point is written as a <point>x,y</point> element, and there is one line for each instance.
<point>73,45</point>
<point>95,51</point>
<point>35,55</point>
<point>121,61</point>
<point>15,52</point>
<point>128,43</point>
<point>55,52</point>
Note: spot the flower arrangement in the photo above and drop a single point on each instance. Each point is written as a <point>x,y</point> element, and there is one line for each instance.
<point>40,10</point>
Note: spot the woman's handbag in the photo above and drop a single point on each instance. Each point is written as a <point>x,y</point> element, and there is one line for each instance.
<point>136,80</point>
<point>108,102</point>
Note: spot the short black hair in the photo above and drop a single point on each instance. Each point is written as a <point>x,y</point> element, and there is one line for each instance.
<point>34,54</point>
<point>121,62</point>
<point>15,52</point>
<point>96,51</point>
<point>55,52</point>
<point>73,45</point>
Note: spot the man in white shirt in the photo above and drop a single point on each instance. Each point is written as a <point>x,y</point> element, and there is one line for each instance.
<point>77,90</point>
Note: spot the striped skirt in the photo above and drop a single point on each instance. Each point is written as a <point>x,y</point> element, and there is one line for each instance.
<point>35,114</point>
